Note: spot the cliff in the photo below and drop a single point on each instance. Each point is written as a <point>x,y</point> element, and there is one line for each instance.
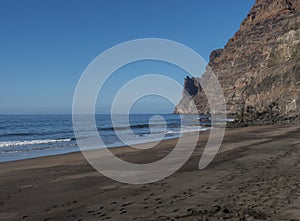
<point>259,67</point>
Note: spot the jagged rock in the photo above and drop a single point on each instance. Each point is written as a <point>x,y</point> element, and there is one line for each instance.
<point>259,68</point>
<point>191,86</point>
<point>215,54</point>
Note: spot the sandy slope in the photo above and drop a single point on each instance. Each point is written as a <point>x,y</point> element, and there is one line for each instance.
<point>256,176</point>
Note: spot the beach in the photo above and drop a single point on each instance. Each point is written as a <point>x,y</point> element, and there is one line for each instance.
<point>255,176</point>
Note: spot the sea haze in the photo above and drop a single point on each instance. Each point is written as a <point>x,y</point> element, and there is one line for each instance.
<point>29,136</point>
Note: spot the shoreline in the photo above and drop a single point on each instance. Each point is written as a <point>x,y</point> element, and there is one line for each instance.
<point>78,150</point>
<point>56,152</point>
<point>18,143</point>
<point>254,176</point>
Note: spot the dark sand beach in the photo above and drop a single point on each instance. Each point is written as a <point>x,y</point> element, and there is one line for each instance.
<point>255,176</point>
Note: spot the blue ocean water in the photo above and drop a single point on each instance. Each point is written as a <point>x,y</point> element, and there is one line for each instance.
<point>29,136</point>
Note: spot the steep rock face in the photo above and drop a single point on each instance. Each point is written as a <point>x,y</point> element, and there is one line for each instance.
<point>259,68</point>
<point>191,90</point>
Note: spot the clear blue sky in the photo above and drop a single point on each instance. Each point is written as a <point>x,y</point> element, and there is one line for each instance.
<point>46,45</point>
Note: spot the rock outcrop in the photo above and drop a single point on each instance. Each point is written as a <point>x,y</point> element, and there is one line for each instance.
<point>259,68</point>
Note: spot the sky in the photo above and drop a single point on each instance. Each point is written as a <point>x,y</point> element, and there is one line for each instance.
<point>45,46</point>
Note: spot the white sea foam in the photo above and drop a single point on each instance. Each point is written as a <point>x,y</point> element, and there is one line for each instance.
<point>31,142</point>
<point>187,130</point>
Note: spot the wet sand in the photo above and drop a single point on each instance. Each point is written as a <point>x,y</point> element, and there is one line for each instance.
<point>255,176</point>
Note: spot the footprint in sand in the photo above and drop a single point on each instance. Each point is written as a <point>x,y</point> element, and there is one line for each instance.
<point>102,215</point>
<point>126,204</point>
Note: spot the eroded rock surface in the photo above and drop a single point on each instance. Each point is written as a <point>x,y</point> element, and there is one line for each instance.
<point>259,67</point>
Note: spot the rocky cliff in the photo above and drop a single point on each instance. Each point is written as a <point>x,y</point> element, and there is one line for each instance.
<point>259,67</point>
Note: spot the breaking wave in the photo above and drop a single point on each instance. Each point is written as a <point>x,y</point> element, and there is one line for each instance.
<point>32,142</point>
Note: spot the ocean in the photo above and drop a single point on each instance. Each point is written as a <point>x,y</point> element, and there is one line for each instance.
<point>30,136</point>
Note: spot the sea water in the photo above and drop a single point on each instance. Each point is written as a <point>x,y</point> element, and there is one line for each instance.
<point>29,136</point>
